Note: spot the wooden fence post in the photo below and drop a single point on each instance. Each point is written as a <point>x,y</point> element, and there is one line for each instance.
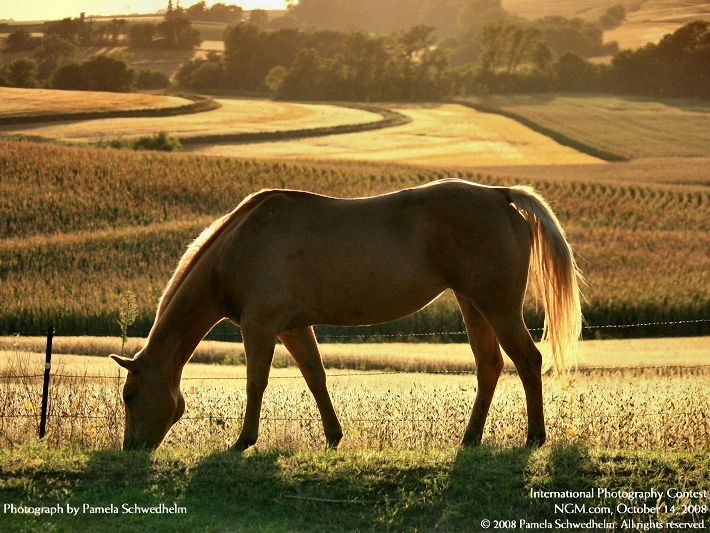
<point>45,386</point>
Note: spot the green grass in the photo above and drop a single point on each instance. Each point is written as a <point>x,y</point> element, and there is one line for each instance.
<point>277,491</point>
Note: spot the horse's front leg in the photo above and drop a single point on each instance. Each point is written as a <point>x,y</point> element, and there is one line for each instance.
<point>302,345</point>
<point>259,347</point>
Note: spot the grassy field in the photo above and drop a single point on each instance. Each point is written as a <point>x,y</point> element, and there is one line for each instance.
<point>388,356</point>
<point>634,128</point>
<point>49,101</point>
<point>439,135</point>
<point>234,116</point>
<point>645,400</point>
<point>83,225</point>
<point>320,491</point>
<point>398,467</point>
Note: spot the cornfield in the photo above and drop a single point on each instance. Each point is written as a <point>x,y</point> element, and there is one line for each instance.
<point>82,225</point>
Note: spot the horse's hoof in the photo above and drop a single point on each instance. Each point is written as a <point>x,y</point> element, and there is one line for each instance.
<point>333,440</point>
<point>535,441</point>
<point>241,446</point>
<point>471,441</point>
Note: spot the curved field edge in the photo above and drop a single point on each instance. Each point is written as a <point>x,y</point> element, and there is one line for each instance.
<point>556,136</point>
<point>199,104</point>
<point>389,118</point>
<point>270,490</point>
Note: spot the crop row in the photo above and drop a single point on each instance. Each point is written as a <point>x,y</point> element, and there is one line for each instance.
<point>83,225</point>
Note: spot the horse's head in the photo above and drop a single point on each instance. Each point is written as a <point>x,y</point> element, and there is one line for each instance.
<point>153,403</point>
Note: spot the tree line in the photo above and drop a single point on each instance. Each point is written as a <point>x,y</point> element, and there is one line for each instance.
<point>410,65</point>
<point>490,53</point>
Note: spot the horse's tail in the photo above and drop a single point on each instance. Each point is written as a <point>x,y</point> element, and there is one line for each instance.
<point>554,275</point>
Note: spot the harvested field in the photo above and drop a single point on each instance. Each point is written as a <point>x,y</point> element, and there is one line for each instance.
<point>49,101</point>
<point>446,134</point>
<point>635,128</point>
<point>235,116</point>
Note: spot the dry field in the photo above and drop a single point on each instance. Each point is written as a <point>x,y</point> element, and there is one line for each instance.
<point>671,171</point>
<point>75,353</point>
<point>631,409</point>
<point>439,135</point>
<point>586,9</point>
<point>635,128</point>
<point>48,101</point>
<point>654,19</point>
<point>646,20</point>
<point>235,116</point>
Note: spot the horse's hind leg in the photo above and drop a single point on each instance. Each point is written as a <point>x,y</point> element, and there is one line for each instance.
<point>489,364</point>
<point>517,343</point>
<point>304,348</point>
<point>259,346</point>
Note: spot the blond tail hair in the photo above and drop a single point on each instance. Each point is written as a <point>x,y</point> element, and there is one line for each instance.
<point>554,277</point>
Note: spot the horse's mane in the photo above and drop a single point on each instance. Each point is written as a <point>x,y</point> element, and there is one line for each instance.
<point>195,250</point>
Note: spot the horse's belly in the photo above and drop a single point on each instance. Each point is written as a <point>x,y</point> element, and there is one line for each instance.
<point>373,302</point>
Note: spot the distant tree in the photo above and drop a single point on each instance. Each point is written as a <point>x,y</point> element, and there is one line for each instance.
<point>104,73</point>
<point>259,18</point>
<point>574,35</point>
<point>197,11</point>
<point>151,79</point>
<point>20,40</point>
<point>21,73</point>
<point>76,30</point>
<point>219,12</point>
<point>574,73</point>
<point>275,78</point>
<point>613,17</point>
<point>204,74</point>
<point>679,65</point>
<point>303,79</point>
<point>141,35</point>
<point>208,76</point>
<point>176,31</point>
<point>53,51</point>
<point>69,76</point>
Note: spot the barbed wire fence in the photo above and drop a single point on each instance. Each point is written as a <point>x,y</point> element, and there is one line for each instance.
<point>48,375</point>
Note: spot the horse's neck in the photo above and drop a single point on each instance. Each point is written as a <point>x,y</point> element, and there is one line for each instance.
<point>180,327</point>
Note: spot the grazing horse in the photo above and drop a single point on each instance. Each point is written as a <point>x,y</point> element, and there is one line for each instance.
<point>284,260</point>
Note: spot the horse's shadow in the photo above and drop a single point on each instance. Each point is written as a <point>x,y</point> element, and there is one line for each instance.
<point>290,491</point>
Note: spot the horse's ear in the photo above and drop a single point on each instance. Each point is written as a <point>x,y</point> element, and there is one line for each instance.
<point>125,362</point>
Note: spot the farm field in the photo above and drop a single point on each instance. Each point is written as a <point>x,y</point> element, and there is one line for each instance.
<point>79,354</point>
<point>672,171</point>
<point>650,20</point>
<point>646,20</point>
<point>234,116</point>
<point>70,245</point>
<point>439,135</point>
<point>652,407</point>
<point>48,101</point>
<point>631,127</point>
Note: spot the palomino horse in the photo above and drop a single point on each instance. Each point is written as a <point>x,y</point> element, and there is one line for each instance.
<point>284,260</point>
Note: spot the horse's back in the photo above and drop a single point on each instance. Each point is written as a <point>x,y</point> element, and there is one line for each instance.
<point>365,260</point>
